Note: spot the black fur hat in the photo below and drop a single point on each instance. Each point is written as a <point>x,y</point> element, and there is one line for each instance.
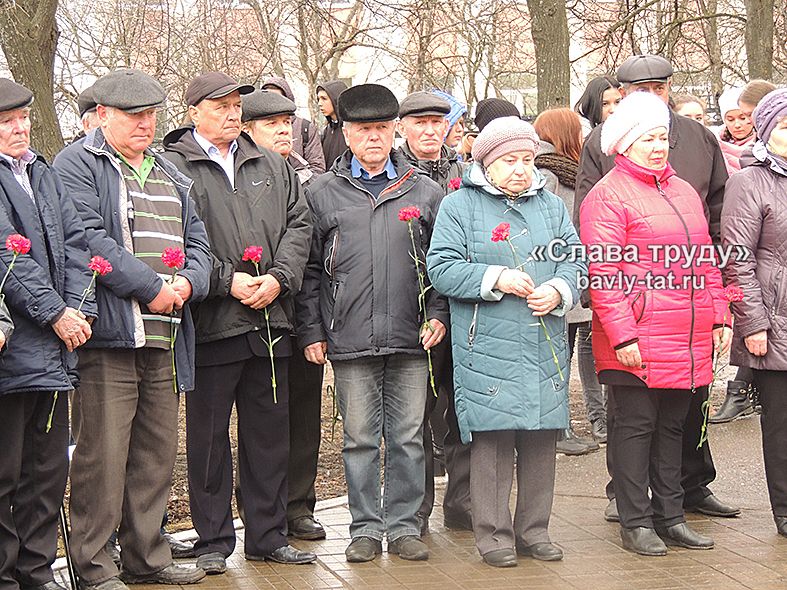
<point>368,103</point>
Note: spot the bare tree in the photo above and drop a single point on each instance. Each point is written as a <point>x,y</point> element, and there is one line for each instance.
<point>550,37</point>
<point>759,38</point>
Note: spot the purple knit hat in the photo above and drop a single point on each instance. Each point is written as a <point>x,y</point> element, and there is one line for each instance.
<point>503,136</point>
<point>771,109</point>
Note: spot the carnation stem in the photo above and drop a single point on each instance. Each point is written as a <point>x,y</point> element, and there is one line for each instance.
<point>422,302</point>
<point>51,413</point>
<point>706,403</point>
<point>88,290</point>
<point>7,272</point>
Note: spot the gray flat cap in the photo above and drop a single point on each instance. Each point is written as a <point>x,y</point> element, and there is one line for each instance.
<point>86,102</point>
<point>367,103</point>
<point>263,103</point>
<point>129,90</point>
<point>421,104</point>
<point>13,95</point>
<point>213,85</point>
<point>644,68</point>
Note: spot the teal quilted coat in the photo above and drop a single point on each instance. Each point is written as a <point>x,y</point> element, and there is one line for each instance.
<point>505,375</point>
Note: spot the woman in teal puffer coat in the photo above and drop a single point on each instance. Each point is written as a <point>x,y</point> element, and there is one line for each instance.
<point>508,333</point>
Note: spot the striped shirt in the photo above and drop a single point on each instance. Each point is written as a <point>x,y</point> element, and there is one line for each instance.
<point>156,219</point>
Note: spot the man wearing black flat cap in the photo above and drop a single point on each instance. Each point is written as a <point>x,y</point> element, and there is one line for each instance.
<point>695,155</point>
<point>423,124</point>
<point>134,205</point>
<point>37,370</point>
<point>359,306</point>
<point>247,197</point>
<point>268,119</point>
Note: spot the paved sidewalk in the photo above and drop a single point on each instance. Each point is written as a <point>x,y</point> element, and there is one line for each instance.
<point>748,553</point>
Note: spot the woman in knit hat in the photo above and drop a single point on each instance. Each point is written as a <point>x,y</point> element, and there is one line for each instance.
<point>737,132</point>
<point>753,218</point>
<point>657,316</point>
<point>508,302</point>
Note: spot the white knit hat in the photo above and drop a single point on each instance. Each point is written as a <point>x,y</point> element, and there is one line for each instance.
<point>728,101</point>
<point>636,114</point>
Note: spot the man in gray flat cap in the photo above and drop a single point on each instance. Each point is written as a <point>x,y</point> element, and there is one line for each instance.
<point>248,198</point>
<point>37,370</point>
<point>268,119</point>
<point>134,204</point>
<point>695,155</point>
<point>359,307</point>
<point>423,124</point>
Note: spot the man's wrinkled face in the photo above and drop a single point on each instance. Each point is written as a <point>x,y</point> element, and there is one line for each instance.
<point>218,119</point>
<point>424,135</point>
<point>273,133</point>
<point>15,132</point>
<point>129,133</point>
<point>370,143</point>
<point>660,88</point>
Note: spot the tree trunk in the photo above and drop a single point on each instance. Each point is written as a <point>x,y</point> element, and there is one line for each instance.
<point>28,36</point>
<point>549,27</point>
<point>759,38</point>
<point>710,31</point>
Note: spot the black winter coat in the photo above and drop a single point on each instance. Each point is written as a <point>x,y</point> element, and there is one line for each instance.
<point>360,290</point>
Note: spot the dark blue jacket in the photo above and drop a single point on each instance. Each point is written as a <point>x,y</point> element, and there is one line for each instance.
<point>53,275</point>
<point>92,176</point>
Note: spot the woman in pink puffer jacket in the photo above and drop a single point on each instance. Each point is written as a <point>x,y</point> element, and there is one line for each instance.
<point>658,312</point>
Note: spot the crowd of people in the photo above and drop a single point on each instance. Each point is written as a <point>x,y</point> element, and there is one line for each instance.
<point>448,272</point>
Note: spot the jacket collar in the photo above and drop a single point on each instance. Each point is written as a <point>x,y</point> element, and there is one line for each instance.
<point>643,174</point>
<point>182,141</point>
<point>476,176</point>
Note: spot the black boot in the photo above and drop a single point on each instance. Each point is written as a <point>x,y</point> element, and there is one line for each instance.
<point>736,404</point>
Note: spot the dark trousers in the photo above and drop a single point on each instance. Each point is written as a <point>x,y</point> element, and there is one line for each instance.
<point>772,386</point>
<point>646,450</point>
<point>441,426</point>
<point>263,441</point>
<point>305,432</point>
<point>697,469</point>
<point>33,472</point>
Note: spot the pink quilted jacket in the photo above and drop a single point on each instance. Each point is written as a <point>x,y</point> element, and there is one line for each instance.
<point>666,293</point>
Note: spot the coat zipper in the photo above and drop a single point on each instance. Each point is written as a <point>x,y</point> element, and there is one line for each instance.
<point>688,238</point>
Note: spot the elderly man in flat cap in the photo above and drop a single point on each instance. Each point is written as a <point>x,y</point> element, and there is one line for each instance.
<point>360,307</point>
<point>695,155</point>
<point>423,124</point>
<point>134,205</point>
<point>37,371</point>
<point>247,198</point>
<point>268,118</point>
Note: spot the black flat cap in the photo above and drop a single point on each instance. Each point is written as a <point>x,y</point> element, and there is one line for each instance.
<point>213,85</point>
<point>129,90</point>
<point>644,68</point>
<point>261,104</point>
<point>367,103</point>
<point>13,95</point>
<point>489,109</point>
<point>86,102</point>
<point>421,104</point>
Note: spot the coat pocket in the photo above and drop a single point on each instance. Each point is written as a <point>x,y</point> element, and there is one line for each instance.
<point>638,304</point>
<point>337,297</point>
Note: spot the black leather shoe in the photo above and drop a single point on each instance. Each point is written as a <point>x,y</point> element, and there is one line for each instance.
<point>611,511</point>
<point>212,563</point>
<point>306,528</point>
<point>599,431</point>
<point>461,521</point>
<point>571,444</point>
<point>180,549</point>
<point>781,525</point>
<point>363,549</point>
<point>681,535</point>
<point>51,585</point>
<point>736,404</point>
<point>500,558</point>
<point>541,551</point>
<point>712,506</point>
<point>286,554</point>
<point>409,547</point>
<point>172,574</point>
<point>643,540</point>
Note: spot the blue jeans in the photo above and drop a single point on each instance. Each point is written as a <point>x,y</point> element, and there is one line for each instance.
<point>383,396</point>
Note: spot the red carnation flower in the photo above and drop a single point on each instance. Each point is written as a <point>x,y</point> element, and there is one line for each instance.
<point>173,257</point>
<point>18,244</point>
<point>408,213</point>
<point>253,254</point>
<point>501,233</point>
<point>100,265</point>
<point>454,183</point>
<point>733,293</point>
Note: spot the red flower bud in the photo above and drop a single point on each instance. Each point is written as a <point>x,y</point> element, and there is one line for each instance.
<point>173,257</point>
<point>100,265</point>
<point>733,293</point>
<point>18,244</point>
<point>501,233</point>
<point>408,213</point>
<point>454,183</point>
<point>253,254</point>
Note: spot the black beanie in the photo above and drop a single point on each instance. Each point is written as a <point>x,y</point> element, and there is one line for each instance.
<point>493,108</point>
